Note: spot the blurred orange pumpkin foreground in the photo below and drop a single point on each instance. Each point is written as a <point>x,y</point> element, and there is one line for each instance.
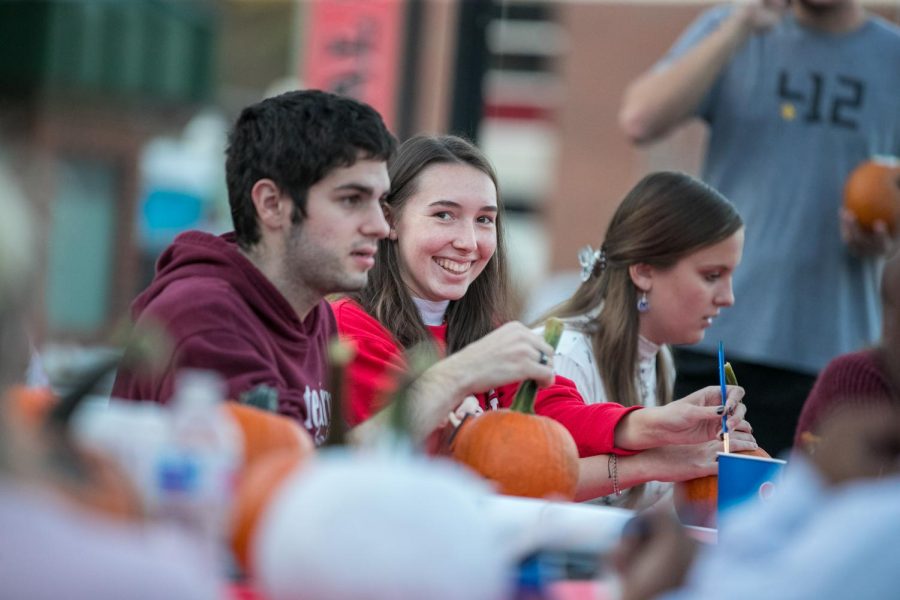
<point>872,191</point>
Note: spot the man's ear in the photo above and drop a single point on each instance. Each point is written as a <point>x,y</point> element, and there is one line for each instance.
<point>641,276</point>
<point>273,208</point>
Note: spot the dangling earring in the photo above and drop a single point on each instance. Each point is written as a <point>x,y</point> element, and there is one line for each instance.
<point>643,305</point>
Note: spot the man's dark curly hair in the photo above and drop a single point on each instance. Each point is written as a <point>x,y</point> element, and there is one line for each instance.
<point>295,140</point>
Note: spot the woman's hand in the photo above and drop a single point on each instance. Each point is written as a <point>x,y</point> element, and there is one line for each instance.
<point>683,462</point>
<point>694,419</point>
<point>508,354</point>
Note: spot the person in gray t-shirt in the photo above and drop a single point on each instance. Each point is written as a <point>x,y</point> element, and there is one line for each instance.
<point>794,99</point>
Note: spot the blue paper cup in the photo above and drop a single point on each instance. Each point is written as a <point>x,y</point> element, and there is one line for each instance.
<point>743,478</point>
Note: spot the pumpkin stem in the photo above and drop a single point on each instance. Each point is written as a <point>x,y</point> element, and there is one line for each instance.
<point>149,347</point>
<point>419,359</point>
<point>730,379</point>
<point>59,416</point>
<point>340,353</point>
<point>263,396</point>
<point>524,399</point>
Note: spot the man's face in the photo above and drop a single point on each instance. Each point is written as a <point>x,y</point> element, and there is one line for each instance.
<point>333,248</point>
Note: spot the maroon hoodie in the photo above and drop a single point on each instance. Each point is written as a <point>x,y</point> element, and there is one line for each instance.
<point>223,314</point>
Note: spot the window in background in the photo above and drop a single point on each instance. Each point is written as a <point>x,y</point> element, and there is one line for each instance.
<point>80,257</point>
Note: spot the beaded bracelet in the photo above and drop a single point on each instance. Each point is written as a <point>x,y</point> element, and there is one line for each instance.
<point>612,469</point>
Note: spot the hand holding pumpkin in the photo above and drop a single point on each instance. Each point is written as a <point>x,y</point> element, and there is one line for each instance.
<point>872,240</point>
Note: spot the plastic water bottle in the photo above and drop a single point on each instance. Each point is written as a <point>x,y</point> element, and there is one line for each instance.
<point>196,471</point>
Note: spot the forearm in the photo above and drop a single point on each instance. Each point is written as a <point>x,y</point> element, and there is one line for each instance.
<point>639,430</point>
<point>661,99</point>
<point>431,399</point>
<point>595,477</point>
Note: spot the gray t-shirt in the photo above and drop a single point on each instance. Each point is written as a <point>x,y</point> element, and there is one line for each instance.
<point>790,116</point>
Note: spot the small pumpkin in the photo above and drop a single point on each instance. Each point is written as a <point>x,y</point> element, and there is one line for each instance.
<point>696,499</point>
<point>81,475</point>
<point>265,431</point>
<point>260,481</point>
<point>100,485</point>
<point>524,454</point>
<point>274,447</point>
<point>872,192</point>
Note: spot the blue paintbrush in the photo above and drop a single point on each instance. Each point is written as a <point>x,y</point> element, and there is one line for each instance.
<point>724,393</point>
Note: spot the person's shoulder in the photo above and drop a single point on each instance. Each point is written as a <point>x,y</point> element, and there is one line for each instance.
<point>197,304</point>
<point>348,313</point>
<point>346,306</point>
<point>194,293</point>
<point>881,26</point>
<point>352,319</point>
<point>713,16</point>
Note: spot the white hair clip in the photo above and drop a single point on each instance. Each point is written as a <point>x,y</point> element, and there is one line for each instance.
<point>588,259</point>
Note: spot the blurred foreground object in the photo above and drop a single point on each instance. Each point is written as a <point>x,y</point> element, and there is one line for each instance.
<point>363,526</point>
<point>409,526</point>
<point>827,533</point>
<point>52,547</point>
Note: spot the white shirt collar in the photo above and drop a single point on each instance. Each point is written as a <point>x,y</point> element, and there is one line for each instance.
<point>432,311</point>
<point>647,350</point>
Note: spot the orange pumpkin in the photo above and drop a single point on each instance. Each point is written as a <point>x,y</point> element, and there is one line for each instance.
<point>264,432</point>
<point>83,476</point>
<point>524,454</point>
<point>101,486</point>
<point>30,405</point>
<point>696,499</point>
<point>872,192</point>
<point>258,485</point>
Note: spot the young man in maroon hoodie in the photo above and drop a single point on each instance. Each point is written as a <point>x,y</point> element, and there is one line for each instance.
<point>306,172</point>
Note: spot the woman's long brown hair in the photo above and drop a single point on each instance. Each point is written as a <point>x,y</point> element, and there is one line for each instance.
<point>665,217</point>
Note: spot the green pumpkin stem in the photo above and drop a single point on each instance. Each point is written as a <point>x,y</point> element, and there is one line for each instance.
<point>419,359</point>
<point>263,397</point>
<point>340,353</point>
<point>730,379</point>
<point>524,399</point>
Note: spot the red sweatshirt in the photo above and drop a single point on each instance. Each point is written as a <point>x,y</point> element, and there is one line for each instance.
<point>224,315</point>
<point>379,362</point>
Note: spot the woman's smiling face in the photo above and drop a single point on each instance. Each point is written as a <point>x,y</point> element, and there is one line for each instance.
<point>447,231</point>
